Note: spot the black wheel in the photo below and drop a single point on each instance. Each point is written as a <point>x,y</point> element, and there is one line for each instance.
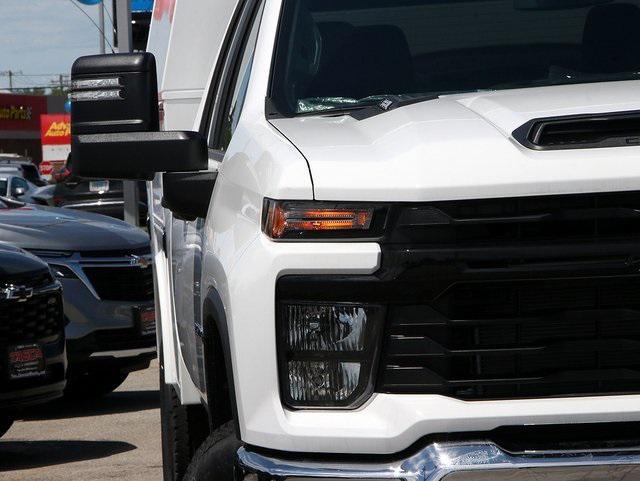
<point>215,457</point>
<point>94,384</point>
<point>183,429</point>
<point>5,424</point>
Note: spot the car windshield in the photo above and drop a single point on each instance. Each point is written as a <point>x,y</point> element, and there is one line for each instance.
<point>337,54</point>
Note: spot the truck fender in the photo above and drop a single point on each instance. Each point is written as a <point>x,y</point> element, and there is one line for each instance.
<point>216,333</point>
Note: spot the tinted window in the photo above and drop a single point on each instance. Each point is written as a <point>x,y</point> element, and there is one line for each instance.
<point>341,52</point>
<point>3,186</point>
<point>16,183</point>
<point>238,88</point>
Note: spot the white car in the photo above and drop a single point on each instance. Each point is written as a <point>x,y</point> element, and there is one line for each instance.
<point>393,239</point>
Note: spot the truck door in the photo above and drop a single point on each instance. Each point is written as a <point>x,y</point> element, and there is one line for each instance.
<point>187,238</point>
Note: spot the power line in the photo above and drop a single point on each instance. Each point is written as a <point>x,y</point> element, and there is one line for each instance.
<point>94,23</point>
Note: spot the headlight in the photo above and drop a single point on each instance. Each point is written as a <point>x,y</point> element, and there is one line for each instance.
<point>322,220</point>
<point>328,353</point>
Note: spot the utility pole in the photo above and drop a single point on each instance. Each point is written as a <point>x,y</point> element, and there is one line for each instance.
<point>130,188</point>
<point>10,74</point>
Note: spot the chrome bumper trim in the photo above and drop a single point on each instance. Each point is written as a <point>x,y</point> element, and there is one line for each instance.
<point>451,462</point>
<point>124,353</point>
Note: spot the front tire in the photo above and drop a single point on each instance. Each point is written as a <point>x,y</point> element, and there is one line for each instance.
<point>214,459</point>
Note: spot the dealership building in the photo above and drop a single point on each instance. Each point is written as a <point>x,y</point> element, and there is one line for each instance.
<point>20,122</point>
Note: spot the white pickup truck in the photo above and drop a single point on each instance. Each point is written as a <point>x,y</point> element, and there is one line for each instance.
<point>393,239</point>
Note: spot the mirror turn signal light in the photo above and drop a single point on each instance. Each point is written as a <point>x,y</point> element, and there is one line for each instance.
<point>290,220</point>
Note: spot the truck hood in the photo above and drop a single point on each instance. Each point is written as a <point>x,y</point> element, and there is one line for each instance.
<point>45,228</point>
<point>460,147</point>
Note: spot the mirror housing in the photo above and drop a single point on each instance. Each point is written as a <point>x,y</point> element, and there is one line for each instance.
<point>188,194</point>
<point>18,192</point>
<point>114,93</point>
<point>115,122</point>
<point>137,156</point>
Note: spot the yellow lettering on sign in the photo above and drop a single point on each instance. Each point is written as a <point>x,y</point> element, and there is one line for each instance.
<point>15,112</point>
<point>59,129</point>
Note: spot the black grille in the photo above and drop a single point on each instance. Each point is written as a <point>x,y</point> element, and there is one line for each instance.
<point>527,219</point>
<point>122,283</point>
<point>514,298</point>
<point>38,318</point>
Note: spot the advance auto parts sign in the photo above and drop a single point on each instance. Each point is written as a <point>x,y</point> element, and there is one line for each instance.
<point>55,129</point>
<point>21,112</point>
<point>55,132</point>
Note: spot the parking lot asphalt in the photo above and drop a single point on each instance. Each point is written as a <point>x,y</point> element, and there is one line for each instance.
<point>116,437</point>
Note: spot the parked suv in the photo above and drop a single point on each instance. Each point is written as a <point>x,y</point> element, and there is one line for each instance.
<point>393,239</point>
<point>32,341</point>
<point>105,268</point>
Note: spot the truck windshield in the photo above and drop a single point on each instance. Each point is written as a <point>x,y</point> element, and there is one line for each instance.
<point>337,54</point>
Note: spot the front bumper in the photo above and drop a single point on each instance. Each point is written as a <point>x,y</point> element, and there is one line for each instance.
<point>124,349</point>
<point>19,393</point>
<point>102,331</point>
<point>450,462</point>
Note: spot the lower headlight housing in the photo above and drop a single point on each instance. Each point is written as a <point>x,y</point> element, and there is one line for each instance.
<point>328,353</point>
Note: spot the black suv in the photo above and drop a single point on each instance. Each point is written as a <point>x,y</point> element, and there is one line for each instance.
<point>32,342</point>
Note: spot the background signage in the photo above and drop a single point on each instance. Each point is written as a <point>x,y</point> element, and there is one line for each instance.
<point>21,112</point>
<point>55,132</point>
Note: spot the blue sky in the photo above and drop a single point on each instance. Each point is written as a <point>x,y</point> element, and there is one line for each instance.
<point>44,37</point>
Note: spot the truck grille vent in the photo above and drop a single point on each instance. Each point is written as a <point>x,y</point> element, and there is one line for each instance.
<point>522,339</point>
<point>581,132</point>
<point>513,298</point>
<point>122,283</point>
<point>520,220</point>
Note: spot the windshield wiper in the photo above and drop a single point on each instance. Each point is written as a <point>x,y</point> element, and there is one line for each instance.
<point>390,103</point>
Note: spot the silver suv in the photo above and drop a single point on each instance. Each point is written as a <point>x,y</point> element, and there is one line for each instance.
<point>104,267</point>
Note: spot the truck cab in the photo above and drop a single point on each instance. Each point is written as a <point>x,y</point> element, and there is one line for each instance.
<point>393,239</point>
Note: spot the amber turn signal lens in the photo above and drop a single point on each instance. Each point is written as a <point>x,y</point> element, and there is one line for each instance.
<point>286,219</point>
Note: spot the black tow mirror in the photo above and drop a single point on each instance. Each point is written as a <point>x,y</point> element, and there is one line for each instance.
<point>137,156</point>
<point>115,122</point>
<point>188,194</point>
<point>114,93</point>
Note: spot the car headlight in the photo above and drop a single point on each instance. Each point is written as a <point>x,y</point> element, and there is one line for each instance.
<point>290,220</point>
<point>328,353</point>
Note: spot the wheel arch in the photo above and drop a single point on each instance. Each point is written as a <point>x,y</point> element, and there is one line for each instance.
<point>219,380</point>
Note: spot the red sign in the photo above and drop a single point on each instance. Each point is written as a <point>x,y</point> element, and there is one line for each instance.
<point>21,112</point>
<point>55,129</point>
<point>46,168</point>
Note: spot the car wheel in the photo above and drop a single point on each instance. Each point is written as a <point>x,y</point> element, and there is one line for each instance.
<point>94,384</point>
<point>5,424</point>
<point>214,459</point>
